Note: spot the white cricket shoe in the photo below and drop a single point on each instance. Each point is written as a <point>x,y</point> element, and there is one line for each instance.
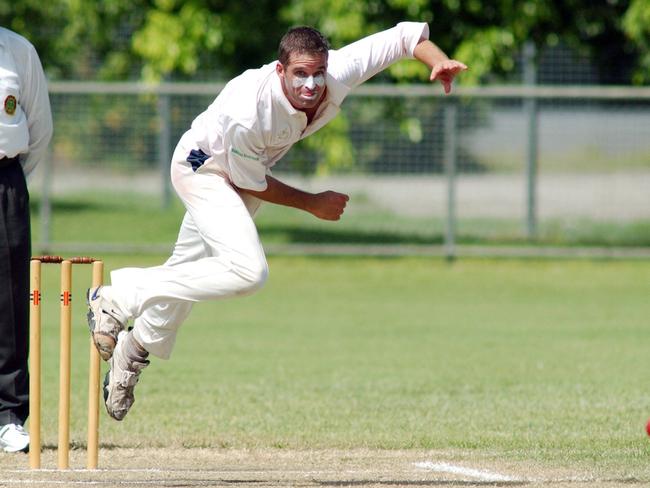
<point>105,322</point>
<point>120,380</point>
<point>13,438</point>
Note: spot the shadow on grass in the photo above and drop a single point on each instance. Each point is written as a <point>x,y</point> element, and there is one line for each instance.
<point>101,203</point>
<point>69,206</point>
<point>306,235</point>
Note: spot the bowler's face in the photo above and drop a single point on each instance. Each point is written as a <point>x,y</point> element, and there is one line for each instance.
<point>303,79</point>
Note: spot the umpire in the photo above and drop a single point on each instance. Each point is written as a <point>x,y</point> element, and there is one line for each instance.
<point>25,132</point>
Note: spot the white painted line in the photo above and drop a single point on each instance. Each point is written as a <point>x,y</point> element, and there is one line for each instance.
<point>462,471</point>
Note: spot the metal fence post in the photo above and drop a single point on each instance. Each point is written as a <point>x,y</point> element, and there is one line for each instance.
<point>164,144</point>
<point>530,109</point>
<point>451,156</point>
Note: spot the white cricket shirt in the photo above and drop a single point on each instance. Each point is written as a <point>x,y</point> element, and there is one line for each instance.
<point>251,124</point>
<point>25,113</point>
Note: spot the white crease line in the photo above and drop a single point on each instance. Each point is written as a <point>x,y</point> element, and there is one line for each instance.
<point>459,470</point>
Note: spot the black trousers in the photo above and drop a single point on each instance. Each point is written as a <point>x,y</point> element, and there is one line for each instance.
<point>15,249</point>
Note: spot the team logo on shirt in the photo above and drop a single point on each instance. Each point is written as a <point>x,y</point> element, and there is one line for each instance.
<point>10,105</point>
<point>244,155</point>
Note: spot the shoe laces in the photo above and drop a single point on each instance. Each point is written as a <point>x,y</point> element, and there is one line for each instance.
<point>6,428</point>
<point>129,378</point>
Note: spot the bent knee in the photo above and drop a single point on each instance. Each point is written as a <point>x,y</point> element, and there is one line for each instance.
<point>259,277</point>
<point>254,276</point>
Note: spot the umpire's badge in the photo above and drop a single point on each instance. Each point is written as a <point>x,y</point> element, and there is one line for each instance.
<point>10,105</point>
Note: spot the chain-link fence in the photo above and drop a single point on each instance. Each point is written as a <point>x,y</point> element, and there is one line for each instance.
<point>485,166</point>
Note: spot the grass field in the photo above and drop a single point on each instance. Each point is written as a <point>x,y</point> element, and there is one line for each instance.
<point>353,371</point>
<point>513,361</point>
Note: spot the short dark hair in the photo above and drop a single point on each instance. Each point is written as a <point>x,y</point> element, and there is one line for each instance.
<point>302,40</point>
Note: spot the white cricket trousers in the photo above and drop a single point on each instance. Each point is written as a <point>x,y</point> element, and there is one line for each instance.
<point>218,254</point>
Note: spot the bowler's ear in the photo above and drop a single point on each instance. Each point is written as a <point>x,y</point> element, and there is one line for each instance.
<point>279,69</point>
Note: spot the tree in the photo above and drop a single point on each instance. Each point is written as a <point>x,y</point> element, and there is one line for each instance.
<point>210,39</point>
<point>636,23</point>
<point>184,38</point>
<point>84,39</point>
<point>488,36</point>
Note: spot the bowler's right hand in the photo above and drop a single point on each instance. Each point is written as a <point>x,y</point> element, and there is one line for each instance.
<point>328,205</point>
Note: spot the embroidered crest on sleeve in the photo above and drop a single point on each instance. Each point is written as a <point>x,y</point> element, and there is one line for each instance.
<point>10,105</point>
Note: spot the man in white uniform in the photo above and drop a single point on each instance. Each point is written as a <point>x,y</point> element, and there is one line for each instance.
<point>221,172</point>
<point>25,132</point>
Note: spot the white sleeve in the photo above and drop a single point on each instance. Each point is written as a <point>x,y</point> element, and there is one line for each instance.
<point>246,158</point>
<point>361,60</point>
<point>36,105</point>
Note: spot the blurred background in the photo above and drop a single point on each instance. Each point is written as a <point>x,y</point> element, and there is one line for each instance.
<point>542,148</point>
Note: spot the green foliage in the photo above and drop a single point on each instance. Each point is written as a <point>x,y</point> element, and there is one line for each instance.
<point>79,39</point>
<point>327,150</point>
<point>123,130</point>
<point>486,51</point>
<point>636,23</point>
<point>180,39</point>
<point>488,36</point>
<point>173,36</point>
<point>156,39</point>
<point>345,21</point>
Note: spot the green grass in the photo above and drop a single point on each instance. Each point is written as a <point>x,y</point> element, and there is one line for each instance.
<point>521,360</point>
<point>133,219</point>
